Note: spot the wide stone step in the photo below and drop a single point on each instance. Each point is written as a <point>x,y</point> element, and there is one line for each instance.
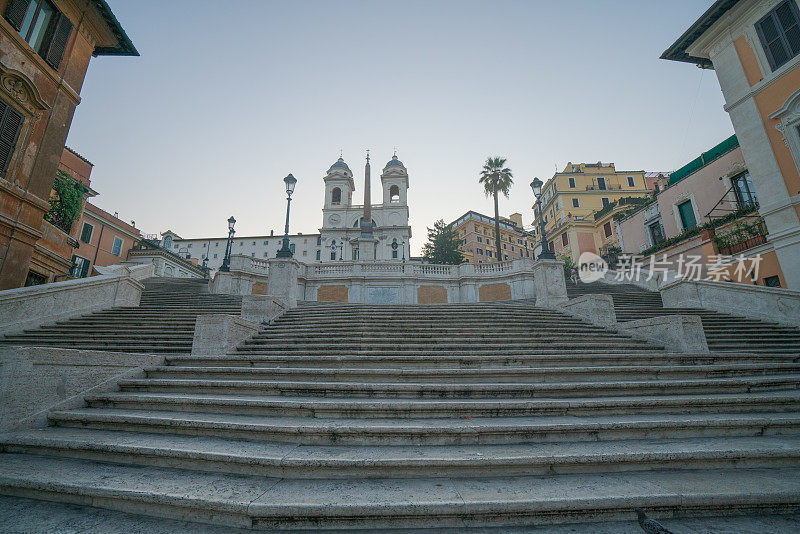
<point>487,352</point>
<point>472,361</point>
<point>487,374</point>
<point>413,342</point>
<point>353,462</point>
<point>433,431</point>
<point>265,502</point>
<point>466,390</point>
<point>365,408</point>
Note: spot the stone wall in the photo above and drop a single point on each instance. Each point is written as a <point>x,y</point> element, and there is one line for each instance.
<point>34,380</point>
<point>493,292</point>
<point>431,295</point>
<point>332,293</point>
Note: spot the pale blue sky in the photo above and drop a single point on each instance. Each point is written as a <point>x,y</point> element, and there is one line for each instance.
<point>229,97</point>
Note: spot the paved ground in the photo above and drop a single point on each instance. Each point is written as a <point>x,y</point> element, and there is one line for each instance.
<point>25,516</point>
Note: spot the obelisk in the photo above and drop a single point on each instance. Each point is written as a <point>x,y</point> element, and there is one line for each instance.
<point>366,243</point>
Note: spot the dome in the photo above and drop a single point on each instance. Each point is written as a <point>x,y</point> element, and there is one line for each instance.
<point>340,164</point>
<point>394,162</point>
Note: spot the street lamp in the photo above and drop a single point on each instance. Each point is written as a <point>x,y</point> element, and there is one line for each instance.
<point>285,251</point>
<point>536,185</point>
<point>227,261</point>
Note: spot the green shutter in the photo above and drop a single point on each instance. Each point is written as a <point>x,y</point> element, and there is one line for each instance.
<point>687,215</point>
<point>15,12</point>
<point>58,44</point>
<point>10,126</point>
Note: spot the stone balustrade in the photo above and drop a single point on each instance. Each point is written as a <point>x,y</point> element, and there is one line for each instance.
<point>395,282</point>
<point>757,302</point>
<point>31,307</point>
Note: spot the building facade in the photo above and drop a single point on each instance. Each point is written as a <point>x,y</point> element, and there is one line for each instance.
<point>707,210</point>
<point>579,205</point>
<point>104,239</point>
<point>753,47</point>
<point>45,49</point>
<point>211,250</point>
<point>476,232</point>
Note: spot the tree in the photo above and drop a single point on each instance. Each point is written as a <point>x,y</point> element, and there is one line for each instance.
<point>496,178</point>
<point>442,245</point>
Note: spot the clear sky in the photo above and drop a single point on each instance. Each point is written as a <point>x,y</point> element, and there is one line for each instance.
<point>229,97</point>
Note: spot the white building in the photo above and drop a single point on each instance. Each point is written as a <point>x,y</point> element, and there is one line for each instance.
<point>340,232</point>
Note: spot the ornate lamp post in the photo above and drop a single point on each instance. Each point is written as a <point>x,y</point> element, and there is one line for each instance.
<point>536,185</point>
<point>285,251</point>
<point>226,262</point>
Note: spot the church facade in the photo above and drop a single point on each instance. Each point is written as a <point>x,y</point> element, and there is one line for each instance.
<point>344,234</point>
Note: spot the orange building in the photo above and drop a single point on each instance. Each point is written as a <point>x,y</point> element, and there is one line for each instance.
<point>45,49</point>
<point>104,239</point>
<point>754,48</point>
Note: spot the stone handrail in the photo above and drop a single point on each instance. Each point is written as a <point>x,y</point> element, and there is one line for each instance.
<point>31,307</point>
<point>757,302</point>
<point>497,267</point>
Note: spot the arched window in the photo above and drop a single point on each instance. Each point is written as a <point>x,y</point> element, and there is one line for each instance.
<point>394,194</point>
<point>168,242</point>
<point>336,196</point>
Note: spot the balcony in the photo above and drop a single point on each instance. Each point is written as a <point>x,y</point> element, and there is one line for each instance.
<point>741,237</point>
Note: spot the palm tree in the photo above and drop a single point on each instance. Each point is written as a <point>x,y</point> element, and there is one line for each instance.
<point>496,178</point>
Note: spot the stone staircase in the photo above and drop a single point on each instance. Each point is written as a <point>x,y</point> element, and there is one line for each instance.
<point>724,332</point>
<point>163,323</point>
<point>355,416</point>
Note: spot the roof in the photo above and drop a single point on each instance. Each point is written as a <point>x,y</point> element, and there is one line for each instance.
<point>125,46</point>
<point>677,52</point>
<point>339,164</point>
<point>79,156</point>
<point>704,159</point>
<point>103,214</point>
<point>394,162</point>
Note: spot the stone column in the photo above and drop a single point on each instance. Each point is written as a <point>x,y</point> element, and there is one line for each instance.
<point>282,281</point>
<point>549,284</point>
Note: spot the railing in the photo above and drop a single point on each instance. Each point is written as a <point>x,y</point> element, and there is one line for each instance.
<point>498,267</point>
<point>332,268</point>
<point>446,270</point>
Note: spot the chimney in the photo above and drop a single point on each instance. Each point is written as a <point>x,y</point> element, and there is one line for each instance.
<point>271,233</point>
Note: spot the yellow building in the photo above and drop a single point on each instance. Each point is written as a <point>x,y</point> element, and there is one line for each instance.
<point>579,205</point>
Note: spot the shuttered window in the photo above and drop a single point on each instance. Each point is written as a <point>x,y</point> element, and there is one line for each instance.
<point>779,32</point>
<point>43,26</point>
<point>10,125</point>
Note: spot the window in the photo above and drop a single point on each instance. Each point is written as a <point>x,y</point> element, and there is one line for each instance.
<point>605,201</point>
<point>266,243</point>
<point>394,194</point>
<point>176,246</point>
<point>571,181</point>
<point>215,256</point>
<point>575,203</point>
<point>10,126</point>
<point>564,239</point>
<point>601,183</point>
<point>266,254</point>
<point>480,239</point>
<point>504,246</point>
<point>780,34</point>
<point>319,240</point>
<point>336,196</point>
<point>333,255</point>
<point>44,27</point>
<point>80,267</point>
<point>489,253</point>
<point>656,232</point>
<point>476,228</point>
<point>291,247</point>
<point>631,181</point>
<point>772,281</point>
<point>686,214</point>
<point>116,250</point>
<point>305,253</point>
<point>217,244</point>
<point>252,254</point>
<point>189,245</point>
<point>607,229</point>
<point>241,243</point>
<point>743,189</point>
<point>86,233</point>
<point>319,255</point>
<point>394,254</point>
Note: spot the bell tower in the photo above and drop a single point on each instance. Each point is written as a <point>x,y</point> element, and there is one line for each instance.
<point>339,186</point>
<point>394,180</point>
